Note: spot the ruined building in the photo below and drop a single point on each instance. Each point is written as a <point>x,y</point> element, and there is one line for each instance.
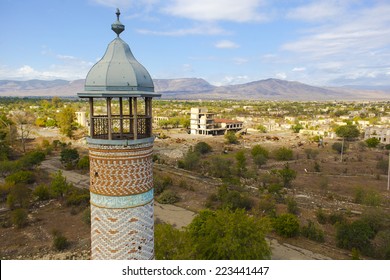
<point>120,146</point>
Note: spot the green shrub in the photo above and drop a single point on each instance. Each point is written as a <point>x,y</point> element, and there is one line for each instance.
<point>32,159</point>
<point>20,177</point>
<point>42,192</point>
<point>86,216</point>
<point>259,150</point>
<point>69,157</point>
<point>202,148</point>
<point>19,217</point>
<point>283,153</point>
<point>338,147</point>
<point>58,185</point>
<point>286,225</point>
<point>168,197</point>
<point>372,142</point>
<point>357,234</point>
<point>190,160</point>
<point>183,185</point>
<point>321,216</point>
<point>83,163</point>
<point>18,197</point>
<point>236,200</point>
<point>336,218</point>
<point>231,138</point>
<point>312,232</point>
<point>60,242</point>
<point>292,205</point>
<point>311,154</point>
<point>367,197</point>
<point>267,205</point>
<point>77,199</point>
<point>383,165</point>
<point>259,160</point>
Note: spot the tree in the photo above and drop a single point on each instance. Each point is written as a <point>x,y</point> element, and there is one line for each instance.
<point>372,142</point>
<point>58,185</point>
<point>261,128</point>
<point>259,155</point>
<point>190,160</point>
<point>229,235</point>
<point>339,147</point>
<point>240,163</point>
<point>220,167</point>
<point>65,120</point>
<point>18,197</point>
<point>19,217</point>
<point>24,122</point>
<point>286,225</point>
<point>312,232</point>
<point>283,153</point>
<point>69,157</point>
<point>231,137</point>
<point>296,128</point>
<point>287,175</point>
<point>357,234</point>
<point>259,150</point>
<point>347,131</point>
<point>172,244</point>
<point>202,148</point>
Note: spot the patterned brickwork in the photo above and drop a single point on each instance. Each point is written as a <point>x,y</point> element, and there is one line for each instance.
<point>121,188</point>
<point>121,171</point>
<point>122,234</point>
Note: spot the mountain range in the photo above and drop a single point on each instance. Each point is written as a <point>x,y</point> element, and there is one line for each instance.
<point>195,88</point>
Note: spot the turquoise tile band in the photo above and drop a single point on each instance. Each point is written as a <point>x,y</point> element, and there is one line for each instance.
<point>121,202</point>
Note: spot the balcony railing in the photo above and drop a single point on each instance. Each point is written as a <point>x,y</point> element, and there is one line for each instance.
<point>121,127</point>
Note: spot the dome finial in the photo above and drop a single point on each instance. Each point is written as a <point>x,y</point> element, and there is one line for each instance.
<point>117,26</point>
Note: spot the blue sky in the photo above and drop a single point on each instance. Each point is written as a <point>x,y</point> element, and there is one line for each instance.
<point>323,42</point>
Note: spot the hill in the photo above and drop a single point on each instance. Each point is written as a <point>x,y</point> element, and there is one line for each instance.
<point>195,88</point>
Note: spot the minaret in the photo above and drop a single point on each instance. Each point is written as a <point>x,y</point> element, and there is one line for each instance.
<point>120,146</point>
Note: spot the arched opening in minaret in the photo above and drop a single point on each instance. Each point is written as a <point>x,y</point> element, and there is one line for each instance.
<point>121,118</point>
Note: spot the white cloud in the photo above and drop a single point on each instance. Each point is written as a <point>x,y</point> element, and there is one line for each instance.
<point>240,60</point>
<point>340,48</point>
<point>216,10</point>
<point>299,69</point>
<point>67,67</point>
<point>281,75</point>
<point>226,44</point>
<point>232,80</point>
<point>196,30</point>
<point>318,10</point>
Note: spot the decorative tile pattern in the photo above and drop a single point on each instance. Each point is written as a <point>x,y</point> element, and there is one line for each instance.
<point>130,201</point>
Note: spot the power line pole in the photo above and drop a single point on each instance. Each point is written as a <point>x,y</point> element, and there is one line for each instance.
<point>342,150</point>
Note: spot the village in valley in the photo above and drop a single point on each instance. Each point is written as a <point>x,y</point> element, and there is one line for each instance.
<point>313,172</point>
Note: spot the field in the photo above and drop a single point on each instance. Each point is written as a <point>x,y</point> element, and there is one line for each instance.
<point>323,182</point>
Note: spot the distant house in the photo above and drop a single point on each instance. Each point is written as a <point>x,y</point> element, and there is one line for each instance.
<point>81,118</point>
<point>203,122</point>
<point>380,133</point>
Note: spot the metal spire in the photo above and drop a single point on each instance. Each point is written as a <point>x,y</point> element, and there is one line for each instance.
<point>117,26</point>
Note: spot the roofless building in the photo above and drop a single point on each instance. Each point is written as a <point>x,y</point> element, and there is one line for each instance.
<point>120,146</point>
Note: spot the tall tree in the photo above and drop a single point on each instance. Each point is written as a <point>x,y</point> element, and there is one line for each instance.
<point>24,124</point>
<point>347,131</point>
<point>229,235</point>
<point>65,120</point>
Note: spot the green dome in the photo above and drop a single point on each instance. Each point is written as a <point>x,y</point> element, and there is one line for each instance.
<point>118,70</point>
